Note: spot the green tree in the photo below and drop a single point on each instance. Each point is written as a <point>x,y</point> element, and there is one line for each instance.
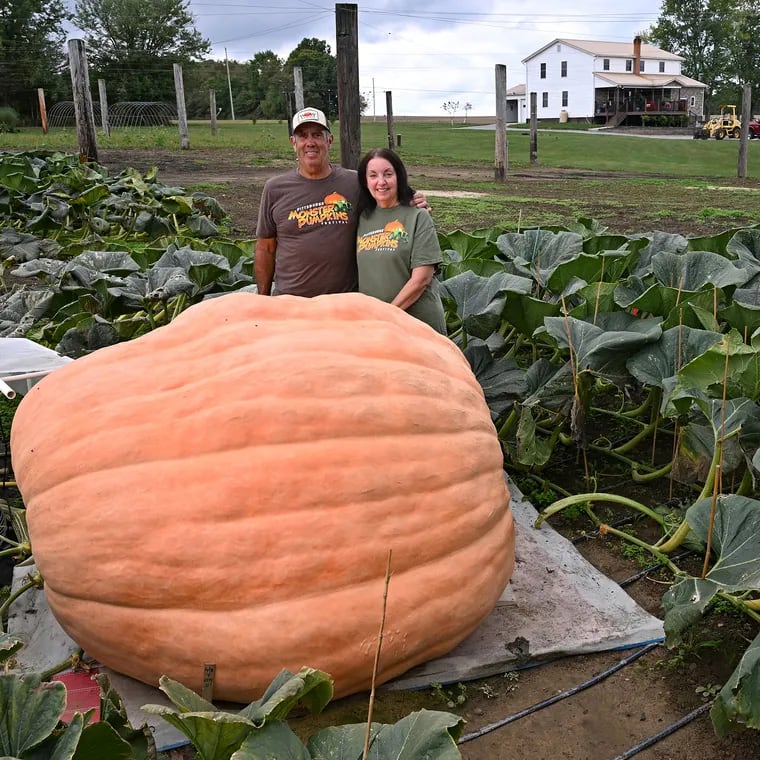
<point>700,31</point>
<point>204,76</point>
<point>744,46</point>
<point>268,86</point>
<point>31,52</point>
<point>319,70</point>
<point>133,44</point>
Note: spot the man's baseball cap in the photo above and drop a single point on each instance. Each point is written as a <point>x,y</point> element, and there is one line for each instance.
<point>310,116</point>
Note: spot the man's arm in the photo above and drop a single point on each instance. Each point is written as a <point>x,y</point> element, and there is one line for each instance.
<point>420,201</point>
<point>263,264</point>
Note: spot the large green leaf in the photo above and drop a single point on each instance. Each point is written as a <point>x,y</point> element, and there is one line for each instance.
<point>309,687</point>
<point>738,703</point>
<point>423,734</point>
<point>695,270</point>
<point>606,346</point>
<point>274,740</point>
<point>537,253</point>
<point>656,362</point>
<point>29,711</point>
<point>502,380</point>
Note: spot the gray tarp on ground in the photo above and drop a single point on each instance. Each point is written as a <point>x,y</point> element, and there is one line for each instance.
<point>556,604</point>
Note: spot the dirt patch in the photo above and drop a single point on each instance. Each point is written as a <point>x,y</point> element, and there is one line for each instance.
<point>624,203</point>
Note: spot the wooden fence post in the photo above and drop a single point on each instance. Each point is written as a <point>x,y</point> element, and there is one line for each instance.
<point>744,141</point>
<point>212,110</point>
<point>389,118</point>
<point>533,128</point>
<point>80,84</point>
<point>349,109</point>
<point>179,87</point>
<point>500,165</point>
<point>104,121</point>
<point>43,110</point>
<point>298,84</point>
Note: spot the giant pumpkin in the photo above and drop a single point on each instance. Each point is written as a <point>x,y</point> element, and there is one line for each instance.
<point>226,490</point>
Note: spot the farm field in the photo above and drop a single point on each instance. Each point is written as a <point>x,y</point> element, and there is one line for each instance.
<point>631,190</point>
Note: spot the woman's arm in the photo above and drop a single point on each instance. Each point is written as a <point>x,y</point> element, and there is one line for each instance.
<point>415,286</point>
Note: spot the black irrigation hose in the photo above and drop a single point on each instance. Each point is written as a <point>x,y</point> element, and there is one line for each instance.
<point>643,573</point>
<point>665,732</point>
<point>557,697</point>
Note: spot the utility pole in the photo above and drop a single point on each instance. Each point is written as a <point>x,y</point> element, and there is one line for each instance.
<point>374,110</point>
<point>229,85</point>
<point>744,140</point>
<point>349,110</point>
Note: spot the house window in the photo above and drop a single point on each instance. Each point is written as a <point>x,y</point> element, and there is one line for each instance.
<point>563,68</point>
<point>692,101</point>
<point>606,64</point>
<point>629,65</point>
<point>662,67</point>
<point>544,99</point>
<point>543,71</point>
<point>641,65</point>
<point>564,98</point>
<point>559,48</point>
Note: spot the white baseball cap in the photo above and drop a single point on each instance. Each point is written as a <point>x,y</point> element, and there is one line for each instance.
<point>310,116</point>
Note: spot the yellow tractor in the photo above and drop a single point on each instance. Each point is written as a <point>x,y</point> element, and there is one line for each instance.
<point>725,125</point>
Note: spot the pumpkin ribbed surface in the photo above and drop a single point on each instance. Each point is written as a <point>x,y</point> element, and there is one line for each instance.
<point>226,489</point>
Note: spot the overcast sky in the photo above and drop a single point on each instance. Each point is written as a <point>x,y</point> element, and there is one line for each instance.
<point>425,53</point>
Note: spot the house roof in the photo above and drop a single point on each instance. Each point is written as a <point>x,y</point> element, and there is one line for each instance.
<point>609,49</point>
<point>518,89</point>
<point>647,80</point>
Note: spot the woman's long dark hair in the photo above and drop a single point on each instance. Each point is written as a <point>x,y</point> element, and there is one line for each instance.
<point>405,192</point>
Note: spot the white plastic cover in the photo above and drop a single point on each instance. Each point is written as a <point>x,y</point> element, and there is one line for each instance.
<point>24,362</point>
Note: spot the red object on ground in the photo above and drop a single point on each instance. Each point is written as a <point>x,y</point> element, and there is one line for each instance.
<point>82,693</point>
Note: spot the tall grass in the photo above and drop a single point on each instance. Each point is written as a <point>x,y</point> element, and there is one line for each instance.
<point>435,143</point>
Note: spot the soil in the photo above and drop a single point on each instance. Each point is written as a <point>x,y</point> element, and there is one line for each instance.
<point>647,696</point>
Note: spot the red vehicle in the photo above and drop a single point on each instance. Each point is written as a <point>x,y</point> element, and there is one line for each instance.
<point>754,130</point>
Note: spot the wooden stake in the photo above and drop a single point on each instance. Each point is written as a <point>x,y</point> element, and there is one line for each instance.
<point>376,664</point>
<point>209,672</point>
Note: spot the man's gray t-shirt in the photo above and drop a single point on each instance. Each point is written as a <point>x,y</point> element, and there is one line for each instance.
<point>314,221</point>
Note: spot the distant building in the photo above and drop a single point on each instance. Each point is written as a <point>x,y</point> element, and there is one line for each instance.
<point>517,110</point>
<point>611,83</point>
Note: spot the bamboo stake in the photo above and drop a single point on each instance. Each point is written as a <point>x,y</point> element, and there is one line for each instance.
<point>376,664</point>
<point>718,480</point>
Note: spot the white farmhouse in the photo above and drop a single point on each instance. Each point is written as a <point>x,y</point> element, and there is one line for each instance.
<point>610,83</point>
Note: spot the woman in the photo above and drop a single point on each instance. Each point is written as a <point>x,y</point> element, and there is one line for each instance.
<point>397,248</point>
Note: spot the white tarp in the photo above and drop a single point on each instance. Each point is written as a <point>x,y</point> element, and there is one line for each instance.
<point>24,362</point>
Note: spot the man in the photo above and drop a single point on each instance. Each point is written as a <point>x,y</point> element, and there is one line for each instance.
<point>306,230</point>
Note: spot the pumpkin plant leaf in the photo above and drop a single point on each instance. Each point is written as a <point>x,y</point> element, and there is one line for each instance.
<point>341,742</point>
<point>738,702</point>
<point>309,687</point>
<point>274,740</point>
<point>29,711</point>
<point>101,740</point>
<point>425,733</point>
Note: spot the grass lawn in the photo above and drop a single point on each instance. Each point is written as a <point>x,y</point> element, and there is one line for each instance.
<point>438,143</point>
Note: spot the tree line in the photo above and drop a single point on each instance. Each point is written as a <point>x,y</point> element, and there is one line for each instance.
<point>132,45</point>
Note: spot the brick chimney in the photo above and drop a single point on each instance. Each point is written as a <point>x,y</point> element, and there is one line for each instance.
<point>637,55</point>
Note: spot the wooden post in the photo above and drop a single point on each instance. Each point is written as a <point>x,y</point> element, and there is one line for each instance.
<point>500,164</point>
<point>80,85</point>
<point>389,118</point>
<point>744,141</point>
<point>209,673</point>
<point>179,87</point>
<point>212,110</point>
<point>298,84</point>
<point>349,109</point>
<point>43,110</point>
<point>533,128</point>
<point>104,122</point>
